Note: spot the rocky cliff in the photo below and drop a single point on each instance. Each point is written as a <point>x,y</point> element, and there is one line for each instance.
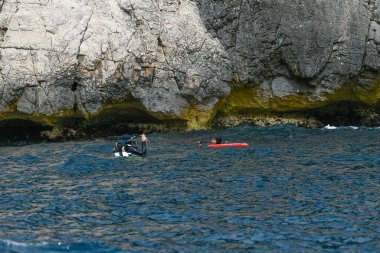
<point>71,68</point>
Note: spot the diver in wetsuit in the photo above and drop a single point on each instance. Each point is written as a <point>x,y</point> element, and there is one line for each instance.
<point>132,148</point>
<point>129,145</point>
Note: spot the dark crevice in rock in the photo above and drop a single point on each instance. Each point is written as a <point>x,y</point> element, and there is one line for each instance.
<point>3,31</point>
<point>117,121</point>
<point>15,130</point>
<point>347,113</point>
<point>74,86</point>
<point>159,42</point>
<point>235,33</point>
<point>2,5</point>
<point>339,113</point>
<point>82,38</point>
<point>75,106</point>
<point>71,122</point>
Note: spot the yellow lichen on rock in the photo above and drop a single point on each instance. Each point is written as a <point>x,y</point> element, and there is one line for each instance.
<point>254,100</point>
<point>370,96</point>
<point>198,119</point>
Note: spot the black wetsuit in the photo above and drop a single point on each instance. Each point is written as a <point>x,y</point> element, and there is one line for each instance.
<point>130,146</point>
<point>134,150</point>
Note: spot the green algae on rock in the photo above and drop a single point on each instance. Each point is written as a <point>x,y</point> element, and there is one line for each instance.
<point>113,119</point>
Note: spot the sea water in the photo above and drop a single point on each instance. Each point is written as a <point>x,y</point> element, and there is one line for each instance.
<point>293,190</point>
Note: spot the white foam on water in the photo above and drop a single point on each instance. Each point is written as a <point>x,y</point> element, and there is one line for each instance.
<point>330,127</point>
<point>22,247</point>
<point>14,244</point>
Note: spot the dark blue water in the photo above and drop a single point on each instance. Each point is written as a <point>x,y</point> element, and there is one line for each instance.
<point>294,190</point>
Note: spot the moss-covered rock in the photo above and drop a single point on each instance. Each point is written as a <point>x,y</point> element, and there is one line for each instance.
<point>245,105</point>
<point>115,118</point>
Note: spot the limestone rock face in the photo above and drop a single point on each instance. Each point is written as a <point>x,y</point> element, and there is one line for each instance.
<point>57,54</point>
<point>320,43</point>
<point>171,55</point>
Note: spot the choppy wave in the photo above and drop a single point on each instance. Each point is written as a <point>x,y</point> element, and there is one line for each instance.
<point>17,247</point>
<point>328,126</point>
<point>294,189</point>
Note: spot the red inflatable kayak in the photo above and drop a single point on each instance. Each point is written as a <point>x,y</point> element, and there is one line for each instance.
<point>226,145</point>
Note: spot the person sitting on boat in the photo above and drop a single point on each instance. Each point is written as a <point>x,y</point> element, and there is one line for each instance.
<point>132,148</point>
<point>127,140</point>
<point>216,140</point>
<point>129,145</point>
